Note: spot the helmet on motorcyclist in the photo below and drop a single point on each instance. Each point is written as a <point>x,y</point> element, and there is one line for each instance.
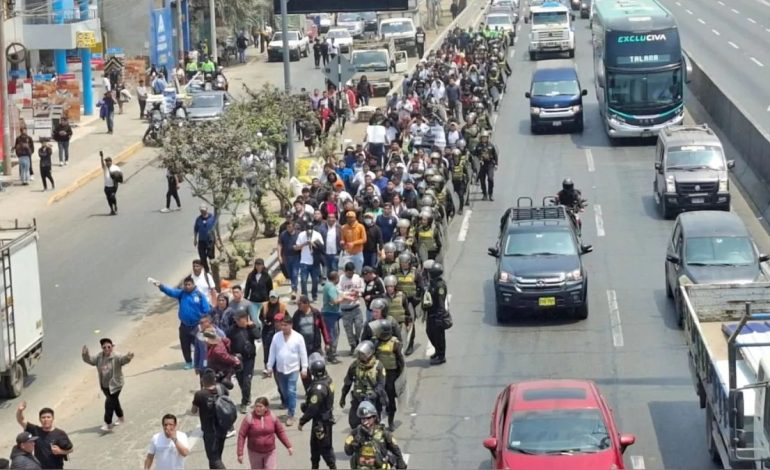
<point>568,184</point>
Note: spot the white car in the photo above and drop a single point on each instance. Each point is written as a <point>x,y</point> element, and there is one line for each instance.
<point>324,22</point>
<point>299,46</point>
<point>353,22</point>
<point>342,39</point>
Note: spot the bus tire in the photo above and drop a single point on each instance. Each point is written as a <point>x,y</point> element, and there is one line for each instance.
<point>532,55</point>
<point>571,53</point>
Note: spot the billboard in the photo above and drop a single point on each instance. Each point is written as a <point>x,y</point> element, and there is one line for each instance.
<point>161,38</point>
<point>338,6</point>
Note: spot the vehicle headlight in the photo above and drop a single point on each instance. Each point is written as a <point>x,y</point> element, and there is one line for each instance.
<point>534,110</point>
<point>670,184</point>
<point>505,277</point>
<point>576,275</point>
<point>577,108</point>
<point>724,186</point>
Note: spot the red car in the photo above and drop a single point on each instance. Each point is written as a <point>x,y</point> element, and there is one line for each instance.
<point>555,424</point>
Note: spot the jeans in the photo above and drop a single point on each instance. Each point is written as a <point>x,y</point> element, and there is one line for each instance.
<point>358,261</point>
<point>332,322</point>
<point>292,267</point>
<point>353,324</point>
<point>363,100</point>
<point>172,191</point>
<point>304,271</point>
<point>25,163</point>
<point>332,263</point>
<point>199,356</point>
<point>371,259</point>
<point>242,56</point>
<point>288,385</point>
<point>110,121</point>
<point>111,405</point>
<point>64,151</point>
<point>187,340</point>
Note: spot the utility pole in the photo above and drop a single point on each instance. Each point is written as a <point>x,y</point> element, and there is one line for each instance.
<point>213,31</point>
<point>179,31</point>
<point>287,81</point>
<point>4,94</point>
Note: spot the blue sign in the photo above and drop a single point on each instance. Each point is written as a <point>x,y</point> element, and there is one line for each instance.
<point>115,51</point>
<point>42,77</point>
<point>161,38</point>
<point>97,55</point>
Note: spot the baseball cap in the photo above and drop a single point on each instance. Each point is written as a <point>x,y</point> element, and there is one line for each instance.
<point>23,437</point>
<point>210,334</point>
<point>203,207</point>
<point>273,294</point>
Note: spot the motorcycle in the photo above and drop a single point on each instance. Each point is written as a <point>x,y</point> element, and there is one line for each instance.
<point>574,213</point>
<point>155,131</point>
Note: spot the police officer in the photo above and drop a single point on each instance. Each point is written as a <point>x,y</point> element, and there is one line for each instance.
<point>486,152</point>
<point>435,308</point>
<point>410,284</point>
<point>379,317</point>
<point>319,408</point>
<point>460,176</point>
<point>388,352</point>
<point>371,446</point>
<point>428,240</point>
<point>389,264</point>
<point>366,378</point>
<point>398,307</point>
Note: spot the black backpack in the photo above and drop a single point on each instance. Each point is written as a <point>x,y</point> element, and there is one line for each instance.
<point>225,411</point>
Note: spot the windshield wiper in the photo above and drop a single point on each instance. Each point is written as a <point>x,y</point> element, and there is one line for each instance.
<point>545,253</point>
<point>572,451</point>
<point>523,451</point>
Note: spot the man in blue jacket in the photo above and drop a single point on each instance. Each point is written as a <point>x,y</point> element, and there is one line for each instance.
<point>192,306</point>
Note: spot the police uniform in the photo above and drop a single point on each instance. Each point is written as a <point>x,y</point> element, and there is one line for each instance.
<point>387,268</point>
<point>373,449</point>
<point>428,242</point>
<point>368,383</point>
<point>319,407</point>
<point>460,177</point>
<point>487,154</point>
<point>435,314</point>
<point>410,284</point>
<point>388,352</point>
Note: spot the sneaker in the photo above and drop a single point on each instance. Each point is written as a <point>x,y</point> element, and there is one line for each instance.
<point>67,163</point>
<point>188,366</point>
<point>178,208</point>
<point>61,164</point>
<point>437,360</point>
<point>112,212</point>
<point>32,177</point>
<point>119,421</point>
<point>106,428</point>
<point>290,421</point>
<point>243,409</point>
<point>165,210</point>
<point>230,434</point>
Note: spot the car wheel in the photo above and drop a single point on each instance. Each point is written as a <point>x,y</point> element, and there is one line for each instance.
<point>532,55</point>
<point>581,313</point>
<point>13,383</point>
<point>501,314</point>
<point>665,211</point>
<point>293,56</point>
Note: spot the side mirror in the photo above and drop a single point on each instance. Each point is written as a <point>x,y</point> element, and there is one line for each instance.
<point>492,251</point>
<point>763,258</point>
<point>730,164</point>
<point>671,258</point>
<point>659,167</point>
<point>687,69</point>
<point>527,95</point>
<point>490,443</point>
<point>626,440</point>
<point>586,249</point>
<point>584,93</point>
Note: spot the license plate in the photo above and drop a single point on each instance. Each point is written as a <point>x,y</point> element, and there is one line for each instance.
<point>546,301</point>
<point>556,123</point>
<point>698,200</point>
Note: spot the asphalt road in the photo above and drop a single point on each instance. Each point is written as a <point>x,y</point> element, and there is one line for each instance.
<point>635,353</point>
<point>731,40</point>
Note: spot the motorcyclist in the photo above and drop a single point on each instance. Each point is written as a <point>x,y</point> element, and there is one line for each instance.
<point>156,121</point>
<point>569,196</point>
<point>367,374</point>
<point>370,445</point>
<point>319,408</point>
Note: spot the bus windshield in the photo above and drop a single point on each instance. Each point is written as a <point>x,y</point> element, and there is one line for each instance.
<point>549,17</point>
<point>644,90</point>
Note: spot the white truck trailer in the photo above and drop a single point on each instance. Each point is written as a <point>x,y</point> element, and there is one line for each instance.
<point>727,329</point>
<point>21,310</point>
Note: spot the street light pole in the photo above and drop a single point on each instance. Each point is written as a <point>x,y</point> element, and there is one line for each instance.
<point>4,94</point>
<point>213,31</point>
<point>287,80</point>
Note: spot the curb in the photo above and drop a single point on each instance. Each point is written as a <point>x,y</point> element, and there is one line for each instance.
<point>124,155</point>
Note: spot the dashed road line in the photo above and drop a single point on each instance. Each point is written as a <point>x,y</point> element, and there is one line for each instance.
<point>735,46</point>
<point>617,328</point>
<point>754,59</point>
<point>689,12</point>
<point>637,462</point>
<point>599,220</point>
<point>590,160</point>
<point>735,11</point>
<point>715,32</point>
<point>701,21</point>
<point>752,20</point>
<point>465,226</point>
<point>679,4</point>
<point>721,3</point>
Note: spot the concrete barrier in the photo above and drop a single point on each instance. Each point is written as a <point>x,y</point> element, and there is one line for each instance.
<point>752,169</point>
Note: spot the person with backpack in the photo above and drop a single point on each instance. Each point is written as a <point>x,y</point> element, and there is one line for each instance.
<point>258,431</point>
<point>113,176</point>
<point>217,414</point>
<point>243,337</point>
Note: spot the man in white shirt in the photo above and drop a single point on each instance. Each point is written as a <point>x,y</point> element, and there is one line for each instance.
<point>203,280</point>
<point>310,246</point>
<point>169,448</point>
<point>351,286</point>
<point>288,356</point>
<point>111,175</point>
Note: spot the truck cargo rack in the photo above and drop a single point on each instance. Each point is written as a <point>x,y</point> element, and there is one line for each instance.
<point>530,212</point>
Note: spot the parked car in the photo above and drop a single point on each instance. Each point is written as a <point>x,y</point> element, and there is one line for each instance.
<point>555,99</point>
<point>555,424</point>
<point>299,46</point>
<point>353,22</point>
<point>539,261</point>
<point>370,21</point>
<point>710,247</point>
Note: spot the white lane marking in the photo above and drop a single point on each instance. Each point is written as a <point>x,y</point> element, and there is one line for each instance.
<point>752,20</point>
<point>465,226</point>
<point>406,458</point>
<point>767,29</point>
<point>701,21</point>
<point>715,32</point>
<point>768,109</point>
<point>679,4</point>
<point>599,220</point>
<point>754,59</point>
<point>721,3</point>
<point>689,12</point>
<point>590,160</point>
<point>617,328</point>
<point>448,300</point>
<point>637,462</point>
<point>735,11</point>
<point>735,46</point>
